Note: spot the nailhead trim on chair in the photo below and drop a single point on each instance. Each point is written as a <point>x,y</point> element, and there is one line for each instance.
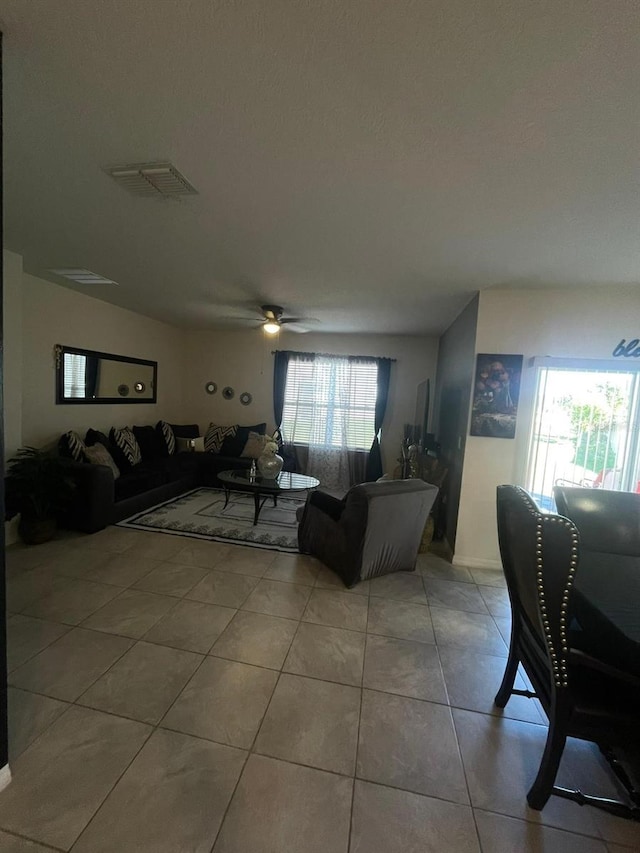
<point>559,668</point>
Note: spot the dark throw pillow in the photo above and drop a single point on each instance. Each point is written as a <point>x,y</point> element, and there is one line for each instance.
<point>152,445</point>
<point>94,436</point>
<point>186,430</point>
<point>234,445</point>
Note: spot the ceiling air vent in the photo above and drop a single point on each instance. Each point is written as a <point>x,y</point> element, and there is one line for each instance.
<point>151,179</point>
<point>80,276</point>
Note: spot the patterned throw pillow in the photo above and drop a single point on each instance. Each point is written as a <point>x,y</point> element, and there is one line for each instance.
<point>98,454</point>
<point>215,435</point>
<point>125,441</point>
<point>168,436</point>
<point>72,446</point>
<point>254,446</point>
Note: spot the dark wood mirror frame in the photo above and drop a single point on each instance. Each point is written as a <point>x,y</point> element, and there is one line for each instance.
<point>148,379</point>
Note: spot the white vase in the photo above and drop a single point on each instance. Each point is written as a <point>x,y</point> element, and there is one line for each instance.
<point>270,465</point>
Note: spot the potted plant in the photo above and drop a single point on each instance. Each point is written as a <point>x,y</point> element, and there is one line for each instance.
<point>37,487</point>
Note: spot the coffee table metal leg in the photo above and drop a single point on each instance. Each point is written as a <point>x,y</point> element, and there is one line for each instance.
<point>256,501</point>
<point>227,492</point>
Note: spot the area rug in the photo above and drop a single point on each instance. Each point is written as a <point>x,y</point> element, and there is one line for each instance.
<point>201,514</point>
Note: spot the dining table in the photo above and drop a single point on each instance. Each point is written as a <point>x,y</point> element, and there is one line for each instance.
<point>606,609</point>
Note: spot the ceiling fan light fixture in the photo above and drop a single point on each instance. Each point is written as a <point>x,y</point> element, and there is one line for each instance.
<point>271,327</point>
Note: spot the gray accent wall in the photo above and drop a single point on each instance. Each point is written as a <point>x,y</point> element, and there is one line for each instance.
<point>452,399</point>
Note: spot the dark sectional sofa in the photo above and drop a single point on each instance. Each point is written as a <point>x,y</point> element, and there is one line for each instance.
<point>100,500</point>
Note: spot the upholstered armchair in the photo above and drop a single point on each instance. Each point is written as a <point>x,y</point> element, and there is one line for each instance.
<point>375,529</point>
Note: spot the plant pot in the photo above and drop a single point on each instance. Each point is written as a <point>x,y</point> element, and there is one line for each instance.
<point>270,465</point>
<point>35,531</point>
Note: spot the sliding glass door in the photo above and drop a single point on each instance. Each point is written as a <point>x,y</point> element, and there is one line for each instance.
<point>585,431</point>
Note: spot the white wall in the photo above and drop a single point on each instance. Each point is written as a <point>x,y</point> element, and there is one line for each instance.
<point>579,324</point>
<point>243,360</point>
<point>57,315</point>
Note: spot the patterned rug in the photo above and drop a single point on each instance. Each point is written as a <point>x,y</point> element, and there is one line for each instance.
<point>201,514</point>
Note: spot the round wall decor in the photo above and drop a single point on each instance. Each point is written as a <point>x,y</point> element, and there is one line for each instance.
<point>123,390</point>
<point>245,398</point>
<point>139,387</point>
<point>228,393</point>
<point>211,387</point>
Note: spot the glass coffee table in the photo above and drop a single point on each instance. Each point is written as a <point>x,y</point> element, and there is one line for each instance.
<point>262,489</point>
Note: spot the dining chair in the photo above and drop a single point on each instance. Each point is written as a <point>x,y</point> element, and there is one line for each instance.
<point>608,521</point>
<point>582,696</point>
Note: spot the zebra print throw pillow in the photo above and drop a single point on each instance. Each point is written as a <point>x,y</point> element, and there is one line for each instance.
<point>215,435</point>
<point>125,441</point>
<point>75,446</point>
<point>168,436</point>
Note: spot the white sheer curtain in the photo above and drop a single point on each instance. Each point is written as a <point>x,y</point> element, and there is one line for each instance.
<point>319,399</point>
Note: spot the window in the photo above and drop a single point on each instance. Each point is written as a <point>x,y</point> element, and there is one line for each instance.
<point>585,430</point>
<point>75,372</point>
<point>330,401</point>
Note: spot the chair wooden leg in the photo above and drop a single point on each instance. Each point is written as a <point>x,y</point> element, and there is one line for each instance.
<point>542,787</point>
<point>509,677</point>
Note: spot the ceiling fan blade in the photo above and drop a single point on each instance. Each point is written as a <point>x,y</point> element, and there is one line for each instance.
<point>298,320</point>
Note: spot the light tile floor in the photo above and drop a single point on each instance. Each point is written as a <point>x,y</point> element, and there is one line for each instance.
<point>172,695</point>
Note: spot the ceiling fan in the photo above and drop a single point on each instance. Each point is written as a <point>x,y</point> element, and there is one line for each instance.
<point>273,320</point>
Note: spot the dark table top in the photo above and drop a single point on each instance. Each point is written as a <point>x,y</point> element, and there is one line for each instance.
<point>606,606</point>
<point>286,481</point>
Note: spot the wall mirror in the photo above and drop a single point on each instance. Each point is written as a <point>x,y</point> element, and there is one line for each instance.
<point>86,376</point>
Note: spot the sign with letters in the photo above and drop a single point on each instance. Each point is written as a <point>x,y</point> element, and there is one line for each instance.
<point>627,350</point>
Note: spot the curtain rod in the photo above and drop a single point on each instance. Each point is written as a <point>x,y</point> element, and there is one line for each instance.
<point>330,354</point>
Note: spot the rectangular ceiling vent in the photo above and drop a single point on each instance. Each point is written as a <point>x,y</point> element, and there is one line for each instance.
<point>80,276</point>
<point>151,179</point>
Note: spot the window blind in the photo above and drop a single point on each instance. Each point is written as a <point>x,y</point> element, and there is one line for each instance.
<point>75,372</point>
<point>330,402</point>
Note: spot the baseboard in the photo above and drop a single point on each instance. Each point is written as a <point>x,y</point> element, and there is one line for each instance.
<point>475,562</point>
<point>5,777</point>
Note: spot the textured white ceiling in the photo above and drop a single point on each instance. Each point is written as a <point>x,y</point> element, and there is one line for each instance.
<point>370,163</point>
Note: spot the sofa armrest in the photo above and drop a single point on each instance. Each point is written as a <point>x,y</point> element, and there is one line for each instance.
<point>92,505</point>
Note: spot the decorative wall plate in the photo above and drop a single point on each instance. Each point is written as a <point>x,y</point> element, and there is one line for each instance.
<point>211,387</point>
<point>245,398</point>
<point>123,390</point>
<point>139,387</point>
<point>228,393</point>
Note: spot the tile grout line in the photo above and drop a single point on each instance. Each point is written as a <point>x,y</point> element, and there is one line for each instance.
<point>281,671</point>
<point>355,768</point>
<point>45,847</point>
<point>251,750</point>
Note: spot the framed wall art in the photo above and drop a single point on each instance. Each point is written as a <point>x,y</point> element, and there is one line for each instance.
<point>495,395</point>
